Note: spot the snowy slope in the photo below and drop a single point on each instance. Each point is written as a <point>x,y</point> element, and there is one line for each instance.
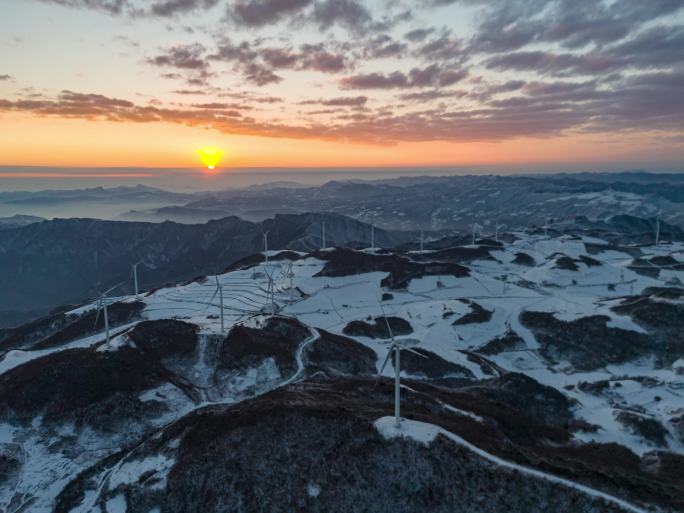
<point>501,288</point>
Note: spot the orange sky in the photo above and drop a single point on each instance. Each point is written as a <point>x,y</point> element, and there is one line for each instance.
<point>38,141</point>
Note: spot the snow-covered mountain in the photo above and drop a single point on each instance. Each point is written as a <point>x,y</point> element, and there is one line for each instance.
<point>547,376</point>
<point>450,202</point>
<point>64,261</point>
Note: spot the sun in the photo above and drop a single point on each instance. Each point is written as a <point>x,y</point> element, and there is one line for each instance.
<point>210,156</point>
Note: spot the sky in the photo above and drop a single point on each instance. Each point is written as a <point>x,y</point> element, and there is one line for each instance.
<point>552,85</point>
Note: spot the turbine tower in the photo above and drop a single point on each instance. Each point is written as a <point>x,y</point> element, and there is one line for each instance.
<point>270,294</point>
<point>476,227</point>
<point>421,241</point>
<point>657,238</point>
<point>135,273</point>
<point>497,228</point>
<point>219,291</point>
<point>105,313</point>
<point>372,236</point>
<point>265,235</point>
<point>396,347</point>
<point>324,245</point>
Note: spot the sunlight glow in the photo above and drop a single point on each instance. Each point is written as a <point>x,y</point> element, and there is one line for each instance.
<point>210,156</point>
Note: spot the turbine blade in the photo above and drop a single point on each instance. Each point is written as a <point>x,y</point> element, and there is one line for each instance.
<point>97,316</point>
<point>384,364</point>
<point>388,325</point>
<point>114,287</point>
<point>212,298</point>
<point>406,348</point>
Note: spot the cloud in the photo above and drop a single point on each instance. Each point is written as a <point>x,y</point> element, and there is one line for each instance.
<point>393,80</point>
<point>643,102</point>
<point>257,63</point>
<point>190,92</point>
<point>5,78</point>
<point>556,64</point>
<point>418,35</point>
<point>260,75</point>
<point>109,6</point>
<point>511,24</point>
<point>258,13</point>
<point>157,8</point>
<point>434,94</point>
<point>657,47</point>
<point>189,57</point>
<point>344,101</point>
<point>383,47</point>
<point>168,8</point>
<point>430,76</point>
<point>443,48</point>
<point>347,13</point>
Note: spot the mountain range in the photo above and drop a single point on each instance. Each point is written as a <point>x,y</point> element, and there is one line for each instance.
<point>540,372</point>
<point>44,265</point>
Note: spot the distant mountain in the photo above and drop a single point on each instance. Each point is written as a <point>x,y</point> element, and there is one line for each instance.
<point>101,202</point>
<point>18,220</point>
<point>47,264</point>
<point>140,193</point>
<point>451,202</point>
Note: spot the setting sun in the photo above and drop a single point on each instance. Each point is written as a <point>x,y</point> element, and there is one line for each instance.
<point>210,156</point>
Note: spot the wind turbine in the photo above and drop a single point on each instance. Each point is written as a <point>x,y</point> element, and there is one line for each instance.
<point>546,227</point>
<point>271,292</point>
<point>421,241</point>
<point>372,236</point>
<point>265,235</point>
<point>135,273</point>
<point>475,228</point>
<point>657,240</point>
<point>497,227</point>
<point>105,313</point>
<point>219,291</point>
<point>396,347</point>
<point>323,236</point>
<point>290,274</point>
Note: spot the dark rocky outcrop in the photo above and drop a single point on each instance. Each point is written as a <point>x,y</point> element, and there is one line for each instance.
<point>378,329</point>
<point>477,314</point>
<point>165,338</point>
<point>509,341</point>
<point>88,387</point>
<point>93,322</point>
<point>346,262</point>
<point>524,259</point>
<point>587,343</point>
<point>646,427</point>
<point>334,355</point>
<point>459,254</point>
<point>431,366</point>
<point>10,464</point>
<point>523,393</point>
<point>101,388</point>
<point>59,328</point>
<point>245,348</point>
<point>565,263</point>
<point>664,322</point>
<point>589,262</point>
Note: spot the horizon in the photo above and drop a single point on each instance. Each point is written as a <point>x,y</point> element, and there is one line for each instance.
<point>39,178</point>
